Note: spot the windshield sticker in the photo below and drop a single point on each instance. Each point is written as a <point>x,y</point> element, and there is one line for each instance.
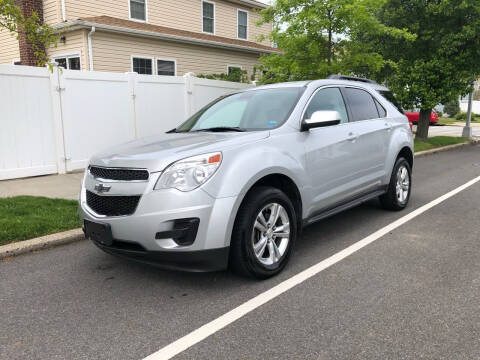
<point>272,123</point>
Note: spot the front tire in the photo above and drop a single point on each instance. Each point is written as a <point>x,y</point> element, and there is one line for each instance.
<point>264,233</point>
<point>399,189</point>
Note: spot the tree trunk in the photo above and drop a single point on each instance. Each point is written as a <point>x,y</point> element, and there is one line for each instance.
<point>423,123</point>
<point>329,55</point>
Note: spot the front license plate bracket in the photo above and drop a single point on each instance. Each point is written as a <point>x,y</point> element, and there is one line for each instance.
<point>98,232</point>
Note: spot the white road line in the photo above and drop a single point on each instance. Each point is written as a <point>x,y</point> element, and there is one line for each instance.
<point>213,326</point>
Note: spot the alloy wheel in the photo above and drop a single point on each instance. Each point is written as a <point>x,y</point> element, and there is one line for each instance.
<point>402,187</point>
<point>271,234</point>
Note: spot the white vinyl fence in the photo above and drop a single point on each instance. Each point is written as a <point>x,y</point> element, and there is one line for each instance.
<point>52,122</point>
<point>475,106</point>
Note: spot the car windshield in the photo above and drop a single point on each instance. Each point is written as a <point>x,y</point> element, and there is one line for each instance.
<point>247,111</point>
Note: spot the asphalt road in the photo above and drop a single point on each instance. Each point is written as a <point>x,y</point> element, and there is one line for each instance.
<point>412,294</point>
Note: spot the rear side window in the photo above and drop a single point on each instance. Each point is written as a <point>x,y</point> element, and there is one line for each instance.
<point>361,104</point>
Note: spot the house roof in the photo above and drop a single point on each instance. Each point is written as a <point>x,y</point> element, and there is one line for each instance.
<point>108,23</point>
<point>253,3</point>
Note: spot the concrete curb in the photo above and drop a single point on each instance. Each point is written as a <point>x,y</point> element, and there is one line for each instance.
<point>43,242</point>
<point>445,148</point>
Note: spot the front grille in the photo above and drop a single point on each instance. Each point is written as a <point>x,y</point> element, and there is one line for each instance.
<point>112,205</point>
<point>118,173</point>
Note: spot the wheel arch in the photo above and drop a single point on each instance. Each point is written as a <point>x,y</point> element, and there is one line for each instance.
<point>277,180</point>
<point>406,153</point>
<point>286,185</point>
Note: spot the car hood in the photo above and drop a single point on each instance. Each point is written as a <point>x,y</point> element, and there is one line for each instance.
<point>157,152</point>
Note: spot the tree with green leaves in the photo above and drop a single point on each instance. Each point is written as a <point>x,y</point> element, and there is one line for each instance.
<point>38,34</point>
<point>439,63</point>
<point>316,37</point>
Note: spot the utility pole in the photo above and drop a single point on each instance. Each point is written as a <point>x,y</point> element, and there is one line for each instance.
<point>467,130</point>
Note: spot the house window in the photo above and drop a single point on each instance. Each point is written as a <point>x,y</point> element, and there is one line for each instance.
<point>166,67</point>
<point>242,22</point>
<point>71,62</point>
<point>138,10</point>
<point>142,65</point>
<point>232,68</point>
<point>208,17</point>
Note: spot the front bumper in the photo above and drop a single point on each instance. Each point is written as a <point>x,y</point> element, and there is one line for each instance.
<point>156,212</point>
<point>195,261</point>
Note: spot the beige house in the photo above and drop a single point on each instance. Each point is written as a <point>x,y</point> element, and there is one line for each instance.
<point>164,37</point>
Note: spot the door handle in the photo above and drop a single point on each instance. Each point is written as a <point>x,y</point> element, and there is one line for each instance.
<point>388,127</point>
<point>352,136</point>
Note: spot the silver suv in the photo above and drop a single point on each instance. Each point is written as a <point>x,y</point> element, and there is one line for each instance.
<point>235,183</point>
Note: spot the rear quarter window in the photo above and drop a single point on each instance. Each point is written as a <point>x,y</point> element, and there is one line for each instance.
<point>381,110</point>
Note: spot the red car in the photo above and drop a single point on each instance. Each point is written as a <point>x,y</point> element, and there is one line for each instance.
<point>413,117</point>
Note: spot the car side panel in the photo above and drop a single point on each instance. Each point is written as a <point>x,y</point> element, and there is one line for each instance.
<point>368,156</point>
<point>331,165</point>
<point>401,137</point>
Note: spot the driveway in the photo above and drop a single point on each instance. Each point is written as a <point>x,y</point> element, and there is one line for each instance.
<point>413,293</point>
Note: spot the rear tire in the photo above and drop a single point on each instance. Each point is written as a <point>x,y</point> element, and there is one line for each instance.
<point>399,189</point>
<point>264,233</point>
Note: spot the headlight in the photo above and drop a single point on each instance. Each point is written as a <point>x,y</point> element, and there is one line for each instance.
<point>189,173</point>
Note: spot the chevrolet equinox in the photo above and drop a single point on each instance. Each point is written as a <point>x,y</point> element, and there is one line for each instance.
<point>235,183</point>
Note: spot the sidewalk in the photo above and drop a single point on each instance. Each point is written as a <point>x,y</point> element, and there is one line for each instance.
<point>52,186</point>
<point>473,124</point>
<point>451,130</point>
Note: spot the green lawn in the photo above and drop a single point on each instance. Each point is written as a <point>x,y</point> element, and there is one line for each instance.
<point>451,121</point>
<point>438,141</point>
<point>447,121</point>
<point>26,217</point>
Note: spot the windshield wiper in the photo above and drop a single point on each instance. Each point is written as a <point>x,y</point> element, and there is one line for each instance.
<point>222,128</point>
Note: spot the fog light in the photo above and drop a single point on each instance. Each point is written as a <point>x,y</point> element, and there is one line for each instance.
<point>183,233</point>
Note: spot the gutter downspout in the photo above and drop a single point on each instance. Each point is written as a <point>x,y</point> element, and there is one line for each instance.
<point>90,51</point>
<point>64,11</point>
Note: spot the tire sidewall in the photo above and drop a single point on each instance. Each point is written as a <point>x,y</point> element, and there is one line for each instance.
<point>269,195</point>
<point>393,181</point>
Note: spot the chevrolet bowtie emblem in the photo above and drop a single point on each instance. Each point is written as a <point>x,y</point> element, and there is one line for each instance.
<point>102,188</point>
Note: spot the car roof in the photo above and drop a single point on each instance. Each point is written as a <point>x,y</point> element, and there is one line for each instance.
<point>323,82</point>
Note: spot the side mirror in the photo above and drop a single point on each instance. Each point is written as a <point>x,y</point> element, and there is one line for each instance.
<point>321,118</point>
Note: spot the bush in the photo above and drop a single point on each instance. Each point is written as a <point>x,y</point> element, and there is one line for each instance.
<point>462,116</point>
<point>452,108</point>
<point>440,114</point>
<point>235,75</point>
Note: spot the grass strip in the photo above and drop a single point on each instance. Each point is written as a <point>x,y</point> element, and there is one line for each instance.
<point>27,217</point>
<point>438,141</point>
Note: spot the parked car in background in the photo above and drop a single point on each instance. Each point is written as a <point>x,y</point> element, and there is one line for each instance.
<point>235,183</point>
<point>410,124</point>
<point>414,116</point>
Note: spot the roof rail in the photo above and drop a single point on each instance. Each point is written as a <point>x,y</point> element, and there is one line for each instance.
<point>351,78</point>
